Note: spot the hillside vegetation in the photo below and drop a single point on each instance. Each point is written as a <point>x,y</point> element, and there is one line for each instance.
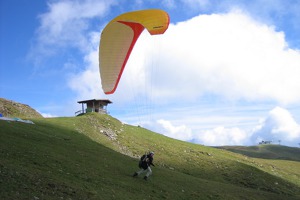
<point>9,108</point>
<point>94,156</point>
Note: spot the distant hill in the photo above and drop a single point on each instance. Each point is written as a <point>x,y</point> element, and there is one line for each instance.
<point>267,151</point>
<point>9,108</point>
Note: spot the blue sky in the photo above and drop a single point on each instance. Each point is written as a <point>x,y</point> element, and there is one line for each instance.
<point>224,73</point>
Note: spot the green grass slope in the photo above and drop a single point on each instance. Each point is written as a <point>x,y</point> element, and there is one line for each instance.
<point>267,151</point>
<point>93,157</point>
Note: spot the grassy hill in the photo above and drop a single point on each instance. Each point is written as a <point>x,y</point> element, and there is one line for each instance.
<point>93,157</point>
<point>9,108</point>
<point>267,151</point>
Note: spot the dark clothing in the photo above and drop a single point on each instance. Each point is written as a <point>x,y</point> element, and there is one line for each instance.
<point>146,161</point>
<point>144,164</point>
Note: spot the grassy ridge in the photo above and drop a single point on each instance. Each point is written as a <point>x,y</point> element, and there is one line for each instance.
<point>93,157</point>
<point>9,108</point>
<point>267,151</point>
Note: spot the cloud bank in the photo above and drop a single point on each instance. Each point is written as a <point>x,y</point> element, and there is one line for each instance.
<point>278,126</point>
<point>229,55</point>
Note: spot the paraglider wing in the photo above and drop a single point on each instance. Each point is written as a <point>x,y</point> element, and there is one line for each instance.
<point>118,39</point>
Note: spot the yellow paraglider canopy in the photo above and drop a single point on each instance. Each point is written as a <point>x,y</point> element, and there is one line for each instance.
<point>118,39</point>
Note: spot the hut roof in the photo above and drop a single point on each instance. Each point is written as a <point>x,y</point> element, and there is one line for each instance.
<point>95,100</point>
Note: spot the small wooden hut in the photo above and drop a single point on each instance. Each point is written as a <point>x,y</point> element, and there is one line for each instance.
<point>94,105</point>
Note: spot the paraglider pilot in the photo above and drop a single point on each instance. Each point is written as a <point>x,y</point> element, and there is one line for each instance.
<point>144,164</point>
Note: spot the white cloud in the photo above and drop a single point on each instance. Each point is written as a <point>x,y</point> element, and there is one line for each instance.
<point>48,115</point>
<point>180,132</point>
<point>66,24</point>
<point>87,82</point>
<point>278,125</point>
<point>69,18</point>
<point>222,136</point>
<point>214,137</point>
<point>229,55</point>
